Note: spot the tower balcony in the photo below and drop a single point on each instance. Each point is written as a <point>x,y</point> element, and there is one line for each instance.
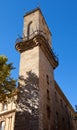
<point>31,36</point>
<point>38,37</point>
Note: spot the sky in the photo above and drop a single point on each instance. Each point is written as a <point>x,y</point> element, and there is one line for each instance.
<point>61,17</point>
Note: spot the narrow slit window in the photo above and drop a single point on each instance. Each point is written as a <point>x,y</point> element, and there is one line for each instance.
<point>48,112</point>
<point>47,78</point>
<point>48,96</point>
<point>56,98</point>
<point>57,121</point>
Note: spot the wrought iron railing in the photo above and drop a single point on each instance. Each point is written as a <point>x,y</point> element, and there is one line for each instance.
<point>55,56</point>
<point>37,32</point>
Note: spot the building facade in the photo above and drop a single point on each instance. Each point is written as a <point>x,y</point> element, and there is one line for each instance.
<point>65,116</point>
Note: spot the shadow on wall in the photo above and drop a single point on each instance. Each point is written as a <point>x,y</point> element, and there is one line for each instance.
<point>27,103</point>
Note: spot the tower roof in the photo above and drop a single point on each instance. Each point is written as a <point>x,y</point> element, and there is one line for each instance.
<point>32,11</point>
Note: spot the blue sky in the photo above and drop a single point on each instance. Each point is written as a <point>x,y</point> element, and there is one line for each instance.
<point>61,17</point>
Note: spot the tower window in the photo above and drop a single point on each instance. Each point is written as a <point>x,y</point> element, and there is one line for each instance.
<point>47,78</point>
<point>48,97</point>
<point>63,123</point>
<point>61,103</point>
<point>28,29</point>
<point>56,97</point>
<point>48,111</point>
<point>66,108</point>
<point>57,121</point>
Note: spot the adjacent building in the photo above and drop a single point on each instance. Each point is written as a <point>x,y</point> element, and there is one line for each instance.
<point>7,114</point>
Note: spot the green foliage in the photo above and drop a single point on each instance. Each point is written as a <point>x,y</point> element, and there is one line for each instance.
<point>7,83</point>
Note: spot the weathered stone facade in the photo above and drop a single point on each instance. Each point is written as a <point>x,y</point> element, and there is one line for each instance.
<point>7,114</point>
<point>41,103</point>
<point>64,112</point>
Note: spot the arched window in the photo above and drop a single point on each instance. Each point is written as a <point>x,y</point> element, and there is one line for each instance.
<point>28,29</point>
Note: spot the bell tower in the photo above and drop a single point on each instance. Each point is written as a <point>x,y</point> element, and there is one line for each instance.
<point>36,79</point>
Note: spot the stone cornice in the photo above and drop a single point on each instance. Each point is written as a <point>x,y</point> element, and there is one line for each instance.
<point>7,112</point>
<point>38,40</point>
<point>24,45</point>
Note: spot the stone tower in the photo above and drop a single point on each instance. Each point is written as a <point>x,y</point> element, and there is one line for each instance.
<point>36,75</point>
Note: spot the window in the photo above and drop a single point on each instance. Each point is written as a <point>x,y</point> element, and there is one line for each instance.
<point>4,106</point>
<point>28,29</point>
<point>70,114</point>
<point>61,103</point>
<point>48,112</point>
<point>57,121</point>
<point>48,97</point>
<point>47,78</point>
<point>63,124</point>
<point>56,97</point>
<point>2,125</point>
